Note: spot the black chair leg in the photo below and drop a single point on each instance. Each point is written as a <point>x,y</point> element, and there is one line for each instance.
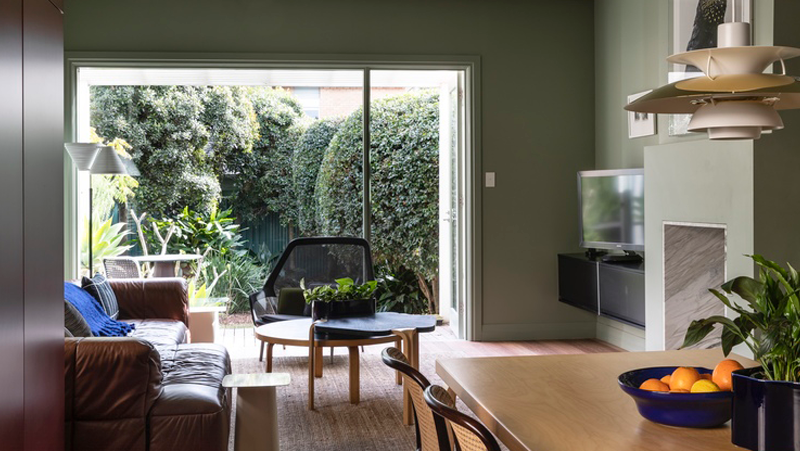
<point>261,353</point>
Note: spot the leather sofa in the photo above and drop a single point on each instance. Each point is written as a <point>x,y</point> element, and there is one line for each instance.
<point>150,391</point>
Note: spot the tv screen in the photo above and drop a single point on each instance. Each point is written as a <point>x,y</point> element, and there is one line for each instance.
<point>612,209</point>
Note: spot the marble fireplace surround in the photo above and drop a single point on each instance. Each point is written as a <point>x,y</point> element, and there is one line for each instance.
<point>695,259</point>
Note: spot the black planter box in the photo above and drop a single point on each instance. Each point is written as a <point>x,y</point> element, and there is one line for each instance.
<point>342,309</point>
<point>766,414</point>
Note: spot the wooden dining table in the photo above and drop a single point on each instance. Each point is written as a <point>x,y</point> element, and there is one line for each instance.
<point>574,403</point>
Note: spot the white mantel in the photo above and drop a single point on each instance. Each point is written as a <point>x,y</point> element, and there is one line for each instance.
<point>701,182</point>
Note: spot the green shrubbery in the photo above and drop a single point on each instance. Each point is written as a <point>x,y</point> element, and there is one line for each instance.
<point>185,139</point>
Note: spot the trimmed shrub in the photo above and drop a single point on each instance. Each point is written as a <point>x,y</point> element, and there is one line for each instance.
<point>308,155</point>
<point>404,152</point>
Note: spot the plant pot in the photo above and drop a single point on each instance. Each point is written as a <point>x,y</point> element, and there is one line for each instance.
<point>766,414</point>
<point>320,310</point>
<point>355,307</point>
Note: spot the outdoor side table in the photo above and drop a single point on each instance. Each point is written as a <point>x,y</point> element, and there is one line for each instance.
<point>204,318</point>
<point>164,265</point>
<point>256,410</point>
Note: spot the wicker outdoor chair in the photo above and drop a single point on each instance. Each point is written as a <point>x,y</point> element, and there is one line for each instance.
<point>431,430</point>
<point>469,433</point>
<point>122,268</point>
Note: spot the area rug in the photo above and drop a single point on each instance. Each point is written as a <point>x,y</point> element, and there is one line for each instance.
<point>375,424</point>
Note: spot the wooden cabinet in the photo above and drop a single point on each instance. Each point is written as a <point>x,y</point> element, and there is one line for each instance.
<point>615,290</point>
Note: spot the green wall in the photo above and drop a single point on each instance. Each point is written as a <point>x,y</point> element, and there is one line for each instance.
<point>777,162</point>
<point>537,68</point>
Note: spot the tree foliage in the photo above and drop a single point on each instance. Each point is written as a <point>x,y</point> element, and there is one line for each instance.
<point>180,138</point>
<point>404,147</point>
<point>308,155</point>
<point>263,181</point>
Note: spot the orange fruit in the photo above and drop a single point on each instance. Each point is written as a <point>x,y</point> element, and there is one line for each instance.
<point>666,379</point>
<point>722,373</point>
<point>654,385</point>
<point>705,376</point>
<point>683,378</point>
<point>679,390</point>
<point>704,386</point>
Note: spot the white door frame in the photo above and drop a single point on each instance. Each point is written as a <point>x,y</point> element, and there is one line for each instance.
<point>471,65</point>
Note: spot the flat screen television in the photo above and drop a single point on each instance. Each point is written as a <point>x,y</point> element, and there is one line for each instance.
<point>612,209</point>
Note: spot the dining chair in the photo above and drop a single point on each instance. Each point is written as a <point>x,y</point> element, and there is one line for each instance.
<point>469,433</point>
<point>431,430</point>
<point>122,268</point>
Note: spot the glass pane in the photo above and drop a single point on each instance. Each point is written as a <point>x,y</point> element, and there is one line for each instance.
<point>407,140</point>
<point>233,165</point>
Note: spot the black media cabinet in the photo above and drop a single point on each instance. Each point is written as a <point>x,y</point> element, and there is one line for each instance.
<point>615,290</point>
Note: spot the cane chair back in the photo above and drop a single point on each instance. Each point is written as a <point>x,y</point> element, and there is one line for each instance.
<point>431,431</point>
<point>122,268</point>
<point>470,434</point>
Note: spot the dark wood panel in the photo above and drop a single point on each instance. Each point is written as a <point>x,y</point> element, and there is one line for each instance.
<point>11,300</point>
<point>43,95</point>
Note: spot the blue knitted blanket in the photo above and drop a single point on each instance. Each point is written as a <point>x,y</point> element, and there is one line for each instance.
<point>99,322</point>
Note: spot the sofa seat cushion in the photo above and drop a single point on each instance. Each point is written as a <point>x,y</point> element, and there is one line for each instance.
<point>192,379</point>
<point>159,332</point>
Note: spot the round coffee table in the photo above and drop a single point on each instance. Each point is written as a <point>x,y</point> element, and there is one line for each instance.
<point>296,333</point>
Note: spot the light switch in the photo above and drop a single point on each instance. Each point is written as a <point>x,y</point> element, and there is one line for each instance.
<point>490,179</point>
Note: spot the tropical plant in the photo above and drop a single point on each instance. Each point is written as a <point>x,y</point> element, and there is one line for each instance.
<point>194,232</point>
<point>404,165</point>
<point>107,241</point>
<point>233,275</point>
<point>398,291</point>
<point>345,290</point>
<point>769,323</point>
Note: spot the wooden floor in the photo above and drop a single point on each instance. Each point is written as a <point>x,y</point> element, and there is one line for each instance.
<point>242,344</point>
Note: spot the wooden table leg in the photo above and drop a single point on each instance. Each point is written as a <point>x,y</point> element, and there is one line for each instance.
<point>399,345</point>
<point>355,374</point>
<point>256,419</point>
<point>269,356</point>
<point>411,351</point>
<point>318,360</point>
<point>311,366</point>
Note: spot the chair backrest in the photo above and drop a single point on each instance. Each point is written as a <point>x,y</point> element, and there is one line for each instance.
<point>470,434</point>
<point>122,268</point>
<point>258,307</point>
<point>431,431</point>
<point>320,261</point>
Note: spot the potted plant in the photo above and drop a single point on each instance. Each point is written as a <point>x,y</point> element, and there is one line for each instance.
<point>343,300</point>
<point>766,399</point>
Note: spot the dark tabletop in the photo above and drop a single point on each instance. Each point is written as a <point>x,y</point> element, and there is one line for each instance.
<point>379,324</point>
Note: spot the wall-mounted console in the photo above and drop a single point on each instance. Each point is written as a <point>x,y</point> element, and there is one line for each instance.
<point>615,290</point>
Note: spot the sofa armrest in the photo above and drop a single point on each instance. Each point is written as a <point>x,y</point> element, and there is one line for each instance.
<point>111,385</point>
<point>156,298</point>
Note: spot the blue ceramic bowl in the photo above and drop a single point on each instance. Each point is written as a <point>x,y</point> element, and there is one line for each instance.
<point>689,410</point>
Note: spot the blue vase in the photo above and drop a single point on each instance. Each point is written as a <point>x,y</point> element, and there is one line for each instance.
<point>766,414</point>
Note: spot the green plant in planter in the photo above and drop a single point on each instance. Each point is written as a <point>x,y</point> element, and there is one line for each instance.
<point>769,325</point>
<point>345,290</point>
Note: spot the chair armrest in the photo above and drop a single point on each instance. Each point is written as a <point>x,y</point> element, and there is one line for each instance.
<point>111,385</point>
<point>156,298</point>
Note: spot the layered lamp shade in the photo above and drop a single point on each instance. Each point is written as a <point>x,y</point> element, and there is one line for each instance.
<point>735,99</point>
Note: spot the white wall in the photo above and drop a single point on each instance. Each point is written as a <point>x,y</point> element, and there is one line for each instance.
<point>702,182</point>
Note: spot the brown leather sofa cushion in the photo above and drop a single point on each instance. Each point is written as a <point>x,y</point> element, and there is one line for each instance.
<point>157,298</point>
<point>159,332</point>
<point>111,385</point>
<point>193,411</point>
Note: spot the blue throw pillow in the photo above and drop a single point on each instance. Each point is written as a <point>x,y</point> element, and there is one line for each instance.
<point>99,322</point>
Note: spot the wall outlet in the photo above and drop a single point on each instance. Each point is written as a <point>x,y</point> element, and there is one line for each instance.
<point>490,179</point>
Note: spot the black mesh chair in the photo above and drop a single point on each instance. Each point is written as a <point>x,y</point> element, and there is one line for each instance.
<point>316,261</point>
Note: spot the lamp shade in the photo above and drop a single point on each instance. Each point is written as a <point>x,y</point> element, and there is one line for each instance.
<point>82,154</point>
<point>108,162</point>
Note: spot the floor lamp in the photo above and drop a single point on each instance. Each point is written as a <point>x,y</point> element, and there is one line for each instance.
<point>101,160</point>
<point>107,162</point>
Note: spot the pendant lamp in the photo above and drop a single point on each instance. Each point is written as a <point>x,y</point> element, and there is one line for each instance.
<point>735,99</point>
